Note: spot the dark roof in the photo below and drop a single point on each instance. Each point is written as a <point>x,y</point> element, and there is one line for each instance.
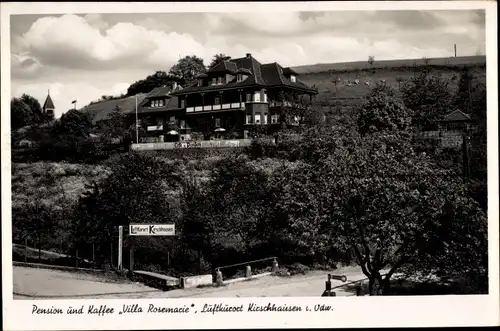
<point>171,102</point>
<point>159,92</point>
<point>101,110</point>
<point>224,66</point>
<point>456,116</point>
<point>48,104</point>
<point>271,74</point>
<point>289,71</point>
<point>275,75</point>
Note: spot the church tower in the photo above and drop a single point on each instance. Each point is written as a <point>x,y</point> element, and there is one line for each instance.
<point>48,106</point>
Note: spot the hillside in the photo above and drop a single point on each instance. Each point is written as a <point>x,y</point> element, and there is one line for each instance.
<point>408,63</point>
<point>394,73</point>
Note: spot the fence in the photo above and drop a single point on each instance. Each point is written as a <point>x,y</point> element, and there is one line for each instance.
<point>248,269</point>
<point>191,144</point>
<point>89,256</point>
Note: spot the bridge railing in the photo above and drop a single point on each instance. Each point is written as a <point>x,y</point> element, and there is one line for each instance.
<point>248,268</point>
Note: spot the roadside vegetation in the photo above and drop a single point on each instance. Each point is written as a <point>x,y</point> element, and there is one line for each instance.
<point>359,189</point>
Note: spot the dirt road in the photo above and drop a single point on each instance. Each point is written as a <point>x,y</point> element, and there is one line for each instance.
<point>31,283</point>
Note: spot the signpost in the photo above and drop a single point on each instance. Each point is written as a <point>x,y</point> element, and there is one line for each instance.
<point>141,230</point>
<point>152,229</point>
<point>120,246</point>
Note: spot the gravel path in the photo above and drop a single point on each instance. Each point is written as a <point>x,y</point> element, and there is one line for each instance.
<point>31,283</point>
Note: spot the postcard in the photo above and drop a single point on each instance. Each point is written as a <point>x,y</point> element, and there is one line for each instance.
<point>249,164</point>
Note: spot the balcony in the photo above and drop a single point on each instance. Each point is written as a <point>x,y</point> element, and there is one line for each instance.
<point>208,108</point>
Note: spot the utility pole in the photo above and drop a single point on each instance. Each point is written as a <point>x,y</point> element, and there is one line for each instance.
<point>455,48</point>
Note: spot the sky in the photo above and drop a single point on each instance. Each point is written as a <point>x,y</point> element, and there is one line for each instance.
<point>86,56</point>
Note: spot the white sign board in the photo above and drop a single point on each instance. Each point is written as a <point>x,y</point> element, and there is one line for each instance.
<point>152,229</point>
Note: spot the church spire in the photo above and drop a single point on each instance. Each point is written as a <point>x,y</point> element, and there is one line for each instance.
<point>48,106</point>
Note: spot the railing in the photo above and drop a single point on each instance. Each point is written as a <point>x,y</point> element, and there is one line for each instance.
<point>224,106</point>
<point>155,128</point>
<point>248,270</point>
<point>191,144</point>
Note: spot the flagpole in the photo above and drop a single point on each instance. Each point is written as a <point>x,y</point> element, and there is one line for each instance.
<point>136,122</point>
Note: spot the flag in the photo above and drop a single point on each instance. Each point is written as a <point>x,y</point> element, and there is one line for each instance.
<point>74,101</point>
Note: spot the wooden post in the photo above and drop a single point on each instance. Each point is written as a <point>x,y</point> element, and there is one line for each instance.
<point>76,255</point>
<point>218,277</point>
<point>111,255</point>
<point>120,247</point>
<point>25,250</point>
<point>39,248</point>
<point>168,259</point>
<point>93,252</point>
<point>131,266</point>
<point>248,271</point>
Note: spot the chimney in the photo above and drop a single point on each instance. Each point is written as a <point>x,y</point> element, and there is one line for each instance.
<point>249,55</point>
<point>174,86</point>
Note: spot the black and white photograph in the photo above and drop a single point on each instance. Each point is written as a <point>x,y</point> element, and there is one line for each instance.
<point>247,151</point>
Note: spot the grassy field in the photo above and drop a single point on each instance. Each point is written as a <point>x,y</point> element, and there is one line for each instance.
<point>408,63</point>
<point>394,73</point>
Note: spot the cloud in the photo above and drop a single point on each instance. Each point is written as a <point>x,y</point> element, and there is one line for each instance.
<point>24,66</point>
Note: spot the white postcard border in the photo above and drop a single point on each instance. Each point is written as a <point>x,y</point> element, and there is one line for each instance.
<point>480,310</point>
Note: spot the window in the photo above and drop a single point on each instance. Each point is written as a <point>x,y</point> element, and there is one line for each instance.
<point>239,78</point>
<point>249,97</point>
<point>214,81</point>
<point>257,118</point>
<point>293,79</point>
<point>274,119</point>
<point>249,119</point>
<point>265,118</point>
<point>160,103</point>
<point>217,122</point>
<point>219,80</point>
<point>257,96</point>
<point>183,124</point>
<point>200,82</point>
<point>217,101</point>
<point>182,103</point>
<point>172,120</point>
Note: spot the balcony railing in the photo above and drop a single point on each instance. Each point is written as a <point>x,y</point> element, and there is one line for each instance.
<point>155,128</point>
<point>225,106</point>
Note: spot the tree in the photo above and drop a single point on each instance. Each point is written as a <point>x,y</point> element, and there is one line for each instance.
<point>383,111</point>
<point>373,199</point>
<point>187,69</point>
<point>293,109</point>
<point>399,80</point>
<point>35,107</point>
<point>218,58</point>
<point>20,114</point>
<point>429,97</point>
<point>463,95</point>
<point>139,190</point>
<point>158,79</point>
<point>371,60</point>
<point>116,126</point>
<point>68,137</point>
